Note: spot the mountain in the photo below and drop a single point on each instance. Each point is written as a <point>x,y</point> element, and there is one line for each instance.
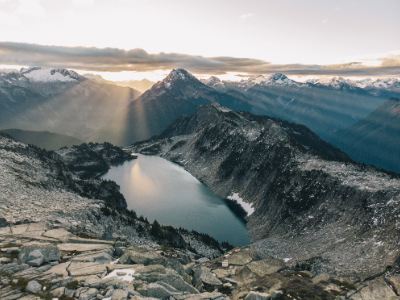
<point>324,107</point>
<point>179,93</point>
<point>140,85</point>
<point>59,100</point>
<point>311,202</point>
<point>43,139</point>
<point>376,138</point>
<point>98,78</point>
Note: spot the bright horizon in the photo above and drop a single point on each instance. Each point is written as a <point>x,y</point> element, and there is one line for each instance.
<point>136,39</point>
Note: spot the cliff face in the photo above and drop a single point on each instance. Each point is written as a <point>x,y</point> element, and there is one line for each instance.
<point>312,203</point>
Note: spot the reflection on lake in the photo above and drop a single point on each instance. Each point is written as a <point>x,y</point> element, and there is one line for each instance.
<point>164,191</point>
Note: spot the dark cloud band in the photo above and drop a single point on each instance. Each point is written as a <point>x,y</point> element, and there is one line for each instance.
<point>116,60</point>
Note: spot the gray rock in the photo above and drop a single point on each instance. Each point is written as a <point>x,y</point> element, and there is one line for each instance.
<point>178,283</point>
<point>58,292</point>
<point>36,262</point>
<point>202,260</point>
<point>37,253</point>
<point>33,287</point>
<point>142,256</point>
<point>174,264</point>
<point>257,296</point>
<point>13,268</point>
<point>69,292</point>
<point>88,294</point>
<point>395,283</point>
<point>375,290</point>
<point>119,295</point>
<point>155,290</point>
<point>204,275</point>
<point>266,266</point>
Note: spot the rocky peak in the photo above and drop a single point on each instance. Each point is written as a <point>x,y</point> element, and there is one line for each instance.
<point>212,80</point>
<point>280,79</point>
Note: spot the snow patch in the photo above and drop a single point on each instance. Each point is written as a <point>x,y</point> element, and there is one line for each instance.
<point>47,75</point>
<point>248,207</point>
<point>124,274</point>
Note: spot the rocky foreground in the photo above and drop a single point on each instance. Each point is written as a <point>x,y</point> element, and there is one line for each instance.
<point>46,261</point>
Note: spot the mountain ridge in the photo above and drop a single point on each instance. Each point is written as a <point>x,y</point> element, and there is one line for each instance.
<point>304,202</point>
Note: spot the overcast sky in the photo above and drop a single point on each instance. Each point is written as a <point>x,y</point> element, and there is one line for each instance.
<point>298,38</point>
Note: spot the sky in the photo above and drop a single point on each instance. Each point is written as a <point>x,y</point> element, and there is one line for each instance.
<point>133,39</point>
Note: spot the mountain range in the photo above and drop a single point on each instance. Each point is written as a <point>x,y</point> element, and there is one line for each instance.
<point>324,107</point>
<point>59,100</point>
<point>311,201</point>
<point>179,93</point>
<point>93,109</point>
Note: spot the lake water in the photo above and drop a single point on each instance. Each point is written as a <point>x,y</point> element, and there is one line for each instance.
<point>164,191</point>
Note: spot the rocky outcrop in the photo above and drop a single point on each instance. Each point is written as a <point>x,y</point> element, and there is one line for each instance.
<point>247,274</point>
<point>90,160</point>
<point>312,203</point>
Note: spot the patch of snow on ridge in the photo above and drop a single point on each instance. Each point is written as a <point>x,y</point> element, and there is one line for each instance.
<point>124,274</point>
<point>47,75</point>
<point>248,207</point>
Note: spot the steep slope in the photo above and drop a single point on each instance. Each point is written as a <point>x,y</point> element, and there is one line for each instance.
<point>179,93</point>
<point>59,100</point>
<point>312,204</point>
<point>324,107</point>
<point>376,138</point>
<point>43,139</point>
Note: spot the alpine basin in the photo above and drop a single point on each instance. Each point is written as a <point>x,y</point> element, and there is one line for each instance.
<point>163,191</point>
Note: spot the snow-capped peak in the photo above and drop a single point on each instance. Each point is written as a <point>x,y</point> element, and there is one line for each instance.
<point>177,75</point>
<point>212,80</point>
<point>256,79</point>
<point>39,74</point>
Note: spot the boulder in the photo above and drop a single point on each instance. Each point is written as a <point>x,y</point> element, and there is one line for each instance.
<point>174,264</point>
<point>178,283</point>
<point>33,287</point>
<point>376,289</point>
<point>59,234</point>
<point>155,290</point>
<point>37,254</point>
<point>89,294</point>
<point>257,296</point>
<point>395,283</point>
<point>205,276</point>
<point>242,257</point>
<point>119,295</point>
<point>142,256</point>
<point>60,269</point>
<point>58,292</point>
<point>266,266</point>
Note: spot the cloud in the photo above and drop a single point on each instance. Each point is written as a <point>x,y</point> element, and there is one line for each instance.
<point>243,18</point>
<point>81,3</point>
<point>70,14</point>
<point>116,60</point>
<point>30,8</point>
<point>8,19</point>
